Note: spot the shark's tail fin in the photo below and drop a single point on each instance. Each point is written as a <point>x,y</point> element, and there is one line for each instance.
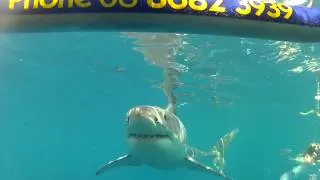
<point>220,148</point>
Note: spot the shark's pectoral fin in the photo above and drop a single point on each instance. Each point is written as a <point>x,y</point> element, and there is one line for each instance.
<point>192,164</point>
<point>125,160</point>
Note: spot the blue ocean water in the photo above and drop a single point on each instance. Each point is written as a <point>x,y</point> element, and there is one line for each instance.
<point>63,99</point>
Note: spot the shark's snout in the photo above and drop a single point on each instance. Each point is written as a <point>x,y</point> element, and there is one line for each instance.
<point>140,120</point>
<point>136,113</point>
<point>144,121</point>
<point>143,113</point>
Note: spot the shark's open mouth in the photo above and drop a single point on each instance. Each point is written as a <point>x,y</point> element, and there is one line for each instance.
<point>148,136</point>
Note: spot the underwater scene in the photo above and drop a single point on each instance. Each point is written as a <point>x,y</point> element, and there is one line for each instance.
<point>156,105</point>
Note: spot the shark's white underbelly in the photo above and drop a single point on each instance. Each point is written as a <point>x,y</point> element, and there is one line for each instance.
<point>157,153</point>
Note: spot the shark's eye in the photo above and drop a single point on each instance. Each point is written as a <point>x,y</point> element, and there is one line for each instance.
<point>155,119</point>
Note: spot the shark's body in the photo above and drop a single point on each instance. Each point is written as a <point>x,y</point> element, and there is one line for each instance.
<point>157,138</point>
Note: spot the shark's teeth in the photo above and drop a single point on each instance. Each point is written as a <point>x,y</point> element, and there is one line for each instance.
<point>142,136</point>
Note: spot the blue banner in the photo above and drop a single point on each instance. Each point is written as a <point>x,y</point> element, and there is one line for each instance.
<point>244,9</point>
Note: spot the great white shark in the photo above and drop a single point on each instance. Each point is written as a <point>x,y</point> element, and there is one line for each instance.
<point>156,137</point>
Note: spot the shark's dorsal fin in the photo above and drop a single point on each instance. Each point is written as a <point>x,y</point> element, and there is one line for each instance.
<point>125,160</point>
<point>171,108</point>
<point>192,164</point>
<point>170,83</point>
